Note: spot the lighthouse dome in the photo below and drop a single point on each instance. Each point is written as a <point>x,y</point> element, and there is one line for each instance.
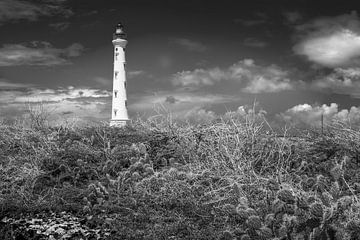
<point>119,32</point>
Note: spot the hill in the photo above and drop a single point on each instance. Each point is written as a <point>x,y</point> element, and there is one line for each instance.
<point>228,180</point>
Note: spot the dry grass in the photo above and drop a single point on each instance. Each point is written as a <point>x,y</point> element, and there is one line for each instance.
<point>160,179</point>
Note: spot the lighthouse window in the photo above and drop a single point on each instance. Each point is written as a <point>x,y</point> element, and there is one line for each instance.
<point>115,111</point>
<point>116,49</point>
<point>115,93</point>
<point>116,73</point>
<point>125,103</point>
<point>125,84</point>
<point>116,56</point>
<point>124,65</point>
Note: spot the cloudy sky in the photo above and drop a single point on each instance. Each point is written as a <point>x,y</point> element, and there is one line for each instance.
<point>299,59</point>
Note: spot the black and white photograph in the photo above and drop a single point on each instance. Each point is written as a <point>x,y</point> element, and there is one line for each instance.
<point>179,120</point>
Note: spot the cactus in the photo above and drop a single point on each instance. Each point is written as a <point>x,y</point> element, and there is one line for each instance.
<point>315,234</point>
<point>266,232</point>
<point>245,237</point>
<point>282,231</point>
<point>243,201</point>
<point>238,232</point>
<point>328,213</point>
<point>254,222</point>
<point>142,148</point>
<point>345,201</point>
<point>335,189</point>
<point>289,208</point>
<point>86,209</point>
<point>302,203</point>
<point>273,185</point>
<point>149,171</point>
<point>242,212</point>
<point>327,199</point>
<point>226,235</point>
<point>337,172</point>
<point>250,211</point>
<point>135,176</point>
<point>286,195</point>
<point>321,183</point>
<point>269,219</point>
<point>317,210</point>
<point>236,190</point>
<point>277,206</point>
<point>229,209</point>
<point>127,175</point>
<point>133,160</point>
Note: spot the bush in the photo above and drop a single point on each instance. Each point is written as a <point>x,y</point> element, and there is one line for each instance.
<point>223,180</point>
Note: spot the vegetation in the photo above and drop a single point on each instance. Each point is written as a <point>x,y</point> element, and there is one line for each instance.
<point>161,180</point>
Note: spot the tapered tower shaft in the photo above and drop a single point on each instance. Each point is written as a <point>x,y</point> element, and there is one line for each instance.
<point>119,113</point>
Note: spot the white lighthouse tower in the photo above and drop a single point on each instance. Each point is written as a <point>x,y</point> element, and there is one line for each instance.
<point>119,114</point>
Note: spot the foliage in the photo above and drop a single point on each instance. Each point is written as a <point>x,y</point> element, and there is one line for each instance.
<point>224,180</point>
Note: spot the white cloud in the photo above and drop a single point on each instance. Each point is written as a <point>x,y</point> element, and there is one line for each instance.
<point>262,84</point>
<point>331,41</point>
<point>199,77</point>
<point>60,26</point>
<point>5,84</point>
<point>311,115</point>
<point>343,81</point>
<point>60,94</point>
<point>292,17</point>
<point>136,73</point>
<point>85,103</point>
<point>103,81</point>
<point>249,76</point>
<point>190,45</point>
<point>37,53</point>
<point>183,101</point>
<point>14,10</point>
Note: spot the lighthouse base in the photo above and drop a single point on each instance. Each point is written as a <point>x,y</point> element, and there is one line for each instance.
<point>118,123</point>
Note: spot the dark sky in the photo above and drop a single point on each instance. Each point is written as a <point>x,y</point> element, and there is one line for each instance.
<point>196,59</point>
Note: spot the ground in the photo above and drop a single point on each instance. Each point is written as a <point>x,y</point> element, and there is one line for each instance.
<point>224,180</point>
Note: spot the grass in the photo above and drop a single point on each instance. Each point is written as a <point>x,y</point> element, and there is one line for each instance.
<point>159,179</point>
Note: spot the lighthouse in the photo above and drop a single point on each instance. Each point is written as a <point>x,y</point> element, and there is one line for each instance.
<point>119,113</point>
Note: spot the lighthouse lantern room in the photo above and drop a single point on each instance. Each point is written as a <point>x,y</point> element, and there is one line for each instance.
<point>119,113</point>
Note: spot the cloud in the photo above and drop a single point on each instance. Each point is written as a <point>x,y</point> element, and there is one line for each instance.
<point>181,105</point>
<point>311,115</point>
<point>14,10</point>
<point>135,73</point>
<point>253,42</point>
<point>37,53</point>
<point>103,81</point>
<point>292,17</point>
<point>274,84</point>
<point>60,26</point>
<point>60,94</point>
<point>249,23</point>
<point>190,45</point>
<point>259,19</point>
<point>85,103</point>
<point>177,101</point>
<point>330,41</point>
<point>343,81</point>
<point>250,77</point>
<point>5,84</point>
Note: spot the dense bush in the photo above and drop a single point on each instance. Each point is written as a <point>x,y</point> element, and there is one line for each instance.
<point>225,180</point>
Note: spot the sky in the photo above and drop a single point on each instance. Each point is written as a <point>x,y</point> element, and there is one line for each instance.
<point>196,59</point>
